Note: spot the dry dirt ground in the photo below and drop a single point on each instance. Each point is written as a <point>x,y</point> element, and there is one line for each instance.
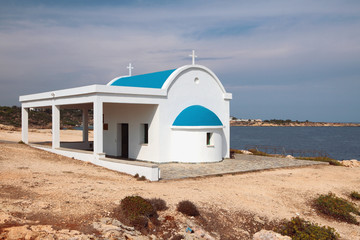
<point>53,190</point>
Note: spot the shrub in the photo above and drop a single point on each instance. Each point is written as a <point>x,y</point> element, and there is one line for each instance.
<point>355,195</point>
<point>142,178</point>
<point>137,210</point>
<point>158,204</point>
<point>336,207</point>
<point>299,229</point>
<point>188,208</point>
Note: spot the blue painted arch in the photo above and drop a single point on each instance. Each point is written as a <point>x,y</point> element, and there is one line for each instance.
<point>197,115</point>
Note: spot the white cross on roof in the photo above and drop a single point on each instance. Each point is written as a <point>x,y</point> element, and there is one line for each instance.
<point>193,57</point>
<point>130,67</point>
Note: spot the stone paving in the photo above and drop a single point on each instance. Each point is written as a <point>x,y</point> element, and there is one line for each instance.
<point>241,164</point>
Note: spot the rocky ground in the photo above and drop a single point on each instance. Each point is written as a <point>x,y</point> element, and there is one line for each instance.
<point>45,196</point>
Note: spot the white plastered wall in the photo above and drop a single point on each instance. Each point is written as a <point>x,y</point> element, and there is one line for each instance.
<point>184,92</point>
<point>189,145</point>
<point>135,115</point>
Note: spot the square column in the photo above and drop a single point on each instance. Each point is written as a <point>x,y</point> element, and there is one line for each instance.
<point>55,126</point>
<point>98,127</point>
<point>85,120</point>
<point>24,124</point>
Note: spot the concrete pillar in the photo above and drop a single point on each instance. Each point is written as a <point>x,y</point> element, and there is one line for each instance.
<point>55,126</point>
<point>98,126</point>
<point>85,120</point>
<point>24,124</point>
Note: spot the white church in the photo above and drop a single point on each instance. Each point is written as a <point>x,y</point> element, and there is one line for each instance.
<point>179,115</point>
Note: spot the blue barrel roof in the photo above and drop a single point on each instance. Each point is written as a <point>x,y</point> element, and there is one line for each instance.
<point>197,115</point>
<point>149,80</point>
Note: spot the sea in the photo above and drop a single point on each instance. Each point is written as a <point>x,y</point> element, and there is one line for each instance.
<point>341,143</point>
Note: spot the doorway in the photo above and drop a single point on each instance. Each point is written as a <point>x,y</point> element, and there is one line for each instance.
<point>123,140</point>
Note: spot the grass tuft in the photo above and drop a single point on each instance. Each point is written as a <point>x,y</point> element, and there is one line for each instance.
<point>142,178</point>
<point>355,195</point>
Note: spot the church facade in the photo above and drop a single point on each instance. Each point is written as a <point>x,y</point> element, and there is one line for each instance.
<point>178,115</point>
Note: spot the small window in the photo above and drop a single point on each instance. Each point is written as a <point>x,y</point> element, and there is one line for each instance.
<point>209,138</point>
<point>145,133</point>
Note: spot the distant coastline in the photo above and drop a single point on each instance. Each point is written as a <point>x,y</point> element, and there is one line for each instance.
<point>291,124</point>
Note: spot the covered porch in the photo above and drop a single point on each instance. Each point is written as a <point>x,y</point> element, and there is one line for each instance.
<point>98,98</point>
<point>56,142</point>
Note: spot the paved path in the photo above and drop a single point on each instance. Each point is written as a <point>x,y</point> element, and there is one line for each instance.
<point>242,163</point>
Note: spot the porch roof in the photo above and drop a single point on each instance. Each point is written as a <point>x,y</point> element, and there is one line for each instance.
<point>93,90</point>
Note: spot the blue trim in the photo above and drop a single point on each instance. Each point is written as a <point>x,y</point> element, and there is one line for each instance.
<point>197,115</point>
<point>150,80</point>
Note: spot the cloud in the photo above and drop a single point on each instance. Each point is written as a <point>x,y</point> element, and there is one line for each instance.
<point>251,46</point>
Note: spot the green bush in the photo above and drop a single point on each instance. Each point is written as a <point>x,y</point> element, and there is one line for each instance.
<point>188,208</point>
<point>355,195</point>
<point>336,207</point>
<point>137,210</point>
<point>299,229</point>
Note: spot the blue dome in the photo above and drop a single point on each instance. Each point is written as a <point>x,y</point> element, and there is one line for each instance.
<point>149,80</point>
<point>197,115</point>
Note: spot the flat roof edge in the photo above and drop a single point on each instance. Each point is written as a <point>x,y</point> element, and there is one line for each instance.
<point>92,89</point>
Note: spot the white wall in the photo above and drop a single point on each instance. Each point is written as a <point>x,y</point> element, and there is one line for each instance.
<point>151,172</point>
<point>134,115</point>
<point>189,145</point>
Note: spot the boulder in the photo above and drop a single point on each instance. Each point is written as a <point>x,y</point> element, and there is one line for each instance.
<point>21,232</point>
<point>269,235</point>
<point>246,152</point>
<point>350,163</point>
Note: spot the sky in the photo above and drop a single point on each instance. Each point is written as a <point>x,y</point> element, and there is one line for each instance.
<point>285,59</point>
